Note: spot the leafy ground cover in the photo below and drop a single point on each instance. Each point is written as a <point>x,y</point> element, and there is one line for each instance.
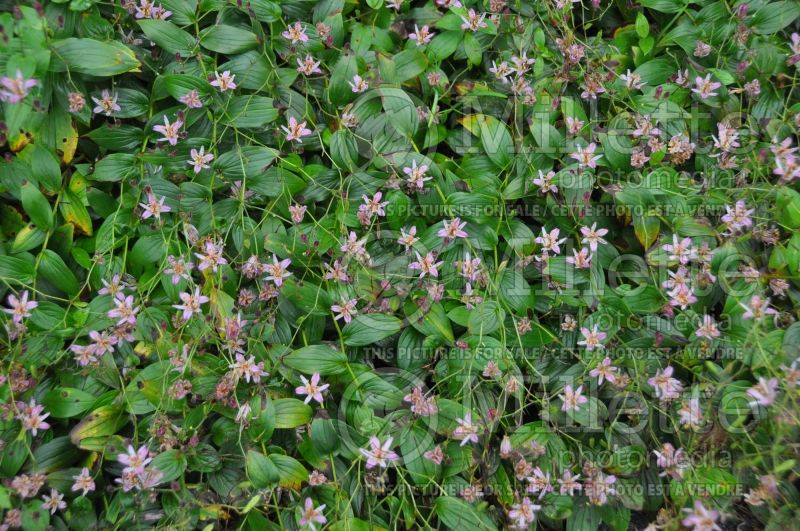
<point>402,265</point>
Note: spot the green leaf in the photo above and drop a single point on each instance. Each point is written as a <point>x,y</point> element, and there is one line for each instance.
<point>16,269</point>
<point>261,470</point>
<point>88,56</point>
<point>228,39</point>
<point>65,402</point>
<point>291,413</point>
<point>290,470</point>
<point>366,329</point>
<point>646,229</point>
<point>473,49</point>
<point>101,422</point>
<point>169,36</point>
<point>172,464</point>
<point>317,358</point>
<point>775,16</point>
<point>45,168</point>
<point>53,268</point>
<point>34,516</point>
<point>36,205</point>
<point>115,167</point>
<point>458,514</point>
<point>642,26</point>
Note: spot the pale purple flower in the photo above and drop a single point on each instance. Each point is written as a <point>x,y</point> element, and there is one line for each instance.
<point>248,369</point>
<point>32,416</point>
<point>345,310</point>
<point>593,338</point>
<point>295,33</point>
<point>704,87</point>
<point>308,66</point>
<point>605,370</point>
<point>54,502</point>
<point>358,84</point>
<point>124,311</point>
<point>224,81</point>
<point>572,398</point>
<point>277,270</point>
<point>212,258</point>
<point>666,387</point>
<point>191,303</point>
<point>191,99</point>
<point>593,236</point>
<point>379,454</point>
<point>311,388</point>
<point>422,35</point>
<point>453,229</point>
<point>15,89</point>
<point>107,104</point>
<point>169,130</point>
<point>426,265</point>
<point>295,130</point>
<point>135,460</point>
<point>20,308</point>
<point>585,156</point>
<point>701,519</point>
<point>200,159</point>
<point>154,207</point>
<point>83,482</point>
<point>312,516</point>
<point>524,514</point>
<point>179,269</point>
<point>466,431</point>
<point>764,392</point>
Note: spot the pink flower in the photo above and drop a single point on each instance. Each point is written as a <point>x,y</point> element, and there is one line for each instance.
<point>408,239</point>
<point>277,270</point>
<point>295,33</point>
<point>704,87</point>
<point>545,182</point>
<point>572,398</point>
<point>107,103</point>
<point>580,259</point>
<point>248,369</point>
<point>83,482</point>
<point>15,89</point>
<point>700,518</point>
<point>179,269</point>
<point>592,339</point>
<point>224,82</point>
<point>124,311</point>
<point>295,130</point>
<point>154,207</point>
<point>473,22</point>
<point>466,431</point>
<point>426,266</point>
<point>32,416</point>
<point>311,388</point>
<point>416,175</point>
<point>524,514</point>
<point>20,308</point>
<point>191,99</point>
<point>758,309</point>
<point>666,387</point>
<point>422,36</point>
<point>435,456</point>
<point>586,156</point>
<point>568,483</point>
<point>679,250</point>
<point>764,392</point>
<point>593,236</point>
<point>453,229</point>
<point>308,66</point>
<point>312,516</point>
<point>297,212</point>
<point>213,257</point>
<point>549,241</point>
<point>170,131</point>
<point>358,84</point>
<point>708,329</point>
<point>379,454</point>
<point>345,310</point>
<point>200,159</point>
<point>191,303</point>
<point>135,460</point>
<point>605,370</point>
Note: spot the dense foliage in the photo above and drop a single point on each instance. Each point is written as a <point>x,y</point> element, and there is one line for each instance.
<point>433,264</point>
